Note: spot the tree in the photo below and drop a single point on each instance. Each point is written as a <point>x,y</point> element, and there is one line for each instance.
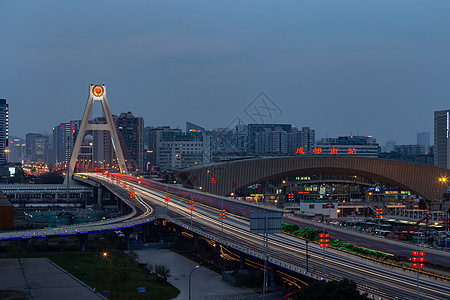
<point>129,259</point>
<point>116,256</point>
<point>148,269</point>
<point>163,272</point>
<point>339,290</point>
<point>124,277</point>
<point>97,277</point>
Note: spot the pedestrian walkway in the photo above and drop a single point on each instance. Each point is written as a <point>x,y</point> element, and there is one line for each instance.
<point>38,278</point>
<point>205,284</point>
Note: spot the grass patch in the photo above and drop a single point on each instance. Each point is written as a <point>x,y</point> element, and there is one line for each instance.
<point>93,269</point>
<point>313,235</point>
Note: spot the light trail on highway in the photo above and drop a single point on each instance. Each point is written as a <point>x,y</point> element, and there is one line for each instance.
<point>368,274</point>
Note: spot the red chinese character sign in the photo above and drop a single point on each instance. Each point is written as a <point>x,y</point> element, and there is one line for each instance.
<point>352,151</point>
<point>330,151</point>
<point>317,150</point>
<point>300,150</point>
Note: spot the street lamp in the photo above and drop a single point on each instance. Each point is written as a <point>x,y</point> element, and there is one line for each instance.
<point>189,288</point>
<point>443,180</point>
<point>105,255</point>
<point>421,260</point>
<point>213,183</point>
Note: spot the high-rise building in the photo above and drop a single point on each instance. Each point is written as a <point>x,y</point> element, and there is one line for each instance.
<point>4,129</point>
<point>357,146</point>
<point>37,147</point>
<point>102,152</point>
<point>173,149</point>
<point>253,129</point>
<point>177,150</point>
<point>390,146</point>
<point>423,138</point>
<point>17,147</point>
<point>441,130</point>
<point>206,136</point>
<point>154,136</point>
<point>271,142</point>
<point>304,139</point>
<point>64,137</point>
<point>131,135</point>
<point>410,149</point>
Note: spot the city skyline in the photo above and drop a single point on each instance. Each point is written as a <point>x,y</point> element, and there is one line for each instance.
<point>376,69</point>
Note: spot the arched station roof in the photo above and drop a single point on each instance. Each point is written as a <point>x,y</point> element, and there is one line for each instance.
<point>232,175</point>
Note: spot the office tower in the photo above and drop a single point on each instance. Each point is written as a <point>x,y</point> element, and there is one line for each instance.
<point>207,137</point>
<point>64,137</point>
<point>17,147</point>
<point>103,151</point>
<point>154,137</point>
<point>37,147</point>
<point>354,146</point>
<point>4,124</point>
<point>441,128</point>
<point>253,129</point>
<point>173,149</point>
<point>410,149</point>
<point>390,146</point>
<point>304,139</point>
<point>423,138</point>
<point>271,142</point>
<point>177,150</point>
<point>131,135</point>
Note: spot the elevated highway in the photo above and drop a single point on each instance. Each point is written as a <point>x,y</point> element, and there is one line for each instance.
<point>284,251</point>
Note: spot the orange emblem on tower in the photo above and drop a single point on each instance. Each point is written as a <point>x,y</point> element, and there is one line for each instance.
<point>98,91</point>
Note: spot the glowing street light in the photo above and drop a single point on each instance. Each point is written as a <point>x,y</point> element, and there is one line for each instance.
<point>105,255</point>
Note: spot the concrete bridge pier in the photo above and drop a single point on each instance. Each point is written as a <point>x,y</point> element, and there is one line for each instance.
<point>123,208</point>
<point>272,272</point>
<point>118,202</point>
<point>24,244</point>
<point>216,248</point>
<point>146,232</point>
<point>195,239</point>
<point>100,197</point>
<point>82,238</point>
<point>179,231</point>
<point>126,241</point>
<point>241,260</point>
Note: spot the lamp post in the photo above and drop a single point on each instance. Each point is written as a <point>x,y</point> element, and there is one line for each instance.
<point>418,262</point>
<point>105,255</point>
<point>189,288</point>
<point>443,180</point>
<point>213,183</point>
<point>191,207</point>
<point>307,255</point>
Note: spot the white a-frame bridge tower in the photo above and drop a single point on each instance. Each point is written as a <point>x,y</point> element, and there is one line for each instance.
<point>97,93</point>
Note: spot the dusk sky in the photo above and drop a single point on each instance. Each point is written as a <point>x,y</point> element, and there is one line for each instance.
<point>377,68</point>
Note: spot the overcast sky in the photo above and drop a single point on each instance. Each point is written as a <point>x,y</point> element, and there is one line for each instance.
<point>377,68</point>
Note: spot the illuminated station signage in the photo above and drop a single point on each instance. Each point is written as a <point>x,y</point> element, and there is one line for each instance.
<point>330,151</point>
